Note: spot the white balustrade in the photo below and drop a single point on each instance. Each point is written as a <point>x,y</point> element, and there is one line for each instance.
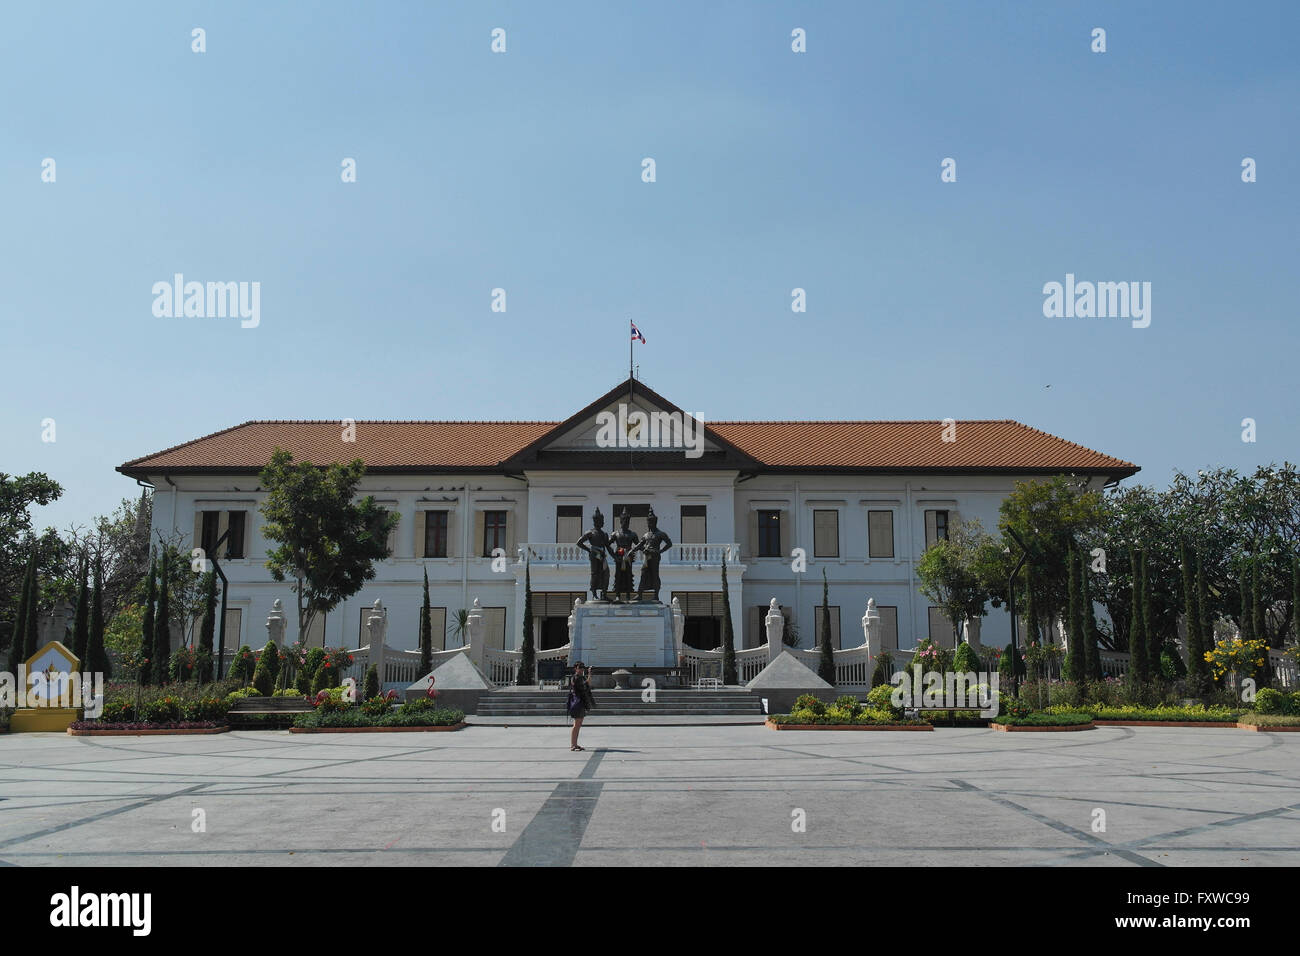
<point>557,554</point>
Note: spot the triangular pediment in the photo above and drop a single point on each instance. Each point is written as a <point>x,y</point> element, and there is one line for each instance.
<point>631,426</point>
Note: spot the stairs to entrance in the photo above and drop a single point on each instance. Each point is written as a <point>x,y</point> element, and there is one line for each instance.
<point>512,702</point>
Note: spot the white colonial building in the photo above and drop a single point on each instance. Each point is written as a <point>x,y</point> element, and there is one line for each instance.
<point>861,499</point>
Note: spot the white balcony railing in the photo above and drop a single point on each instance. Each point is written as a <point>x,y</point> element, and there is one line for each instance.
<point>679,555</point>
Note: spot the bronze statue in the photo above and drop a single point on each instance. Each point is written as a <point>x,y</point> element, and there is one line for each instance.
<point>623,546</point>
<point>596,542</point>
<point>653,544</point>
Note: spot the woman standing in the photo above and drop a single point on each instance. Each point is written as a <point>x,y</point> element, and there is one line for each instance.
<point>580,701</point>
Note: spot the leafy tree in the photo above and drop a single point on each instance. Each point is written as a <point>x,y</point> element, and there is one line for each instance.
<point>1191,616</point>
<point>207,628</point>
<point>98,657</point>
<point>949,573</point>
<point>19,638</point>
<point>31,621</point>
<point>18,544</point>
<point>730,674</point>
<point>81,622</point>
<point>1139,670</point>
<point>826,662</point>
<point>527,658</point>
<point>1154,640</point>
<point>147,627</point>
<point>327,544</point>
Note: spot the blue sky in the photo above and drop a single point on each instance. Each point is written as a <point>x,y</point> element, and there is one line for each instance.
<point>522,171</point>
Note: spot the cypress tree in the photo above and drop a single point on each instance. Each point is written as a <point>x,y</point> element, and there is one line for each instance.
<point>207,629</point>
<point>31,625</point>
<point>1078,662</point>
<point>729,673</point>
<point>146,626</point>
<point>1257,616</point>
<point>1191,614</point>
<point>1092,666</point>
<point>1198,670</point>
<point>1150,631</point>
<point>1247,606</point>
<point>162,628</point>
<point>1137,645</point>
<point>826,663</point>
<point>527,657</point>
<point>427,624</point>
<point>19,637</point>
<point>81,622</point>
<point>1031,608</point>
<point>1295,597</point>
<point>99,662</point>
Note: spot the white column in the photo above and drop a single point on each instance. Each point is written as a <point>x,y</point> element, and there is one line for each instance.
<point>871,628</point>
<point>679,627</point>
<point>774,623</point>
<point>477,634</point>
<point>275,623</point>
<point>377,625</point>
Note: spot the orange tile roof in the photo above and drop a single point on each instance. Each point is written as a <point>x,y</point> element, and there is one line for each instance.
<point>808,445</point>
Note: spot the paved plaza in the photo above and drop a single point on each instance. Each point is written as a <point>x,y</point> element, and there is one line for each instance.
<point>646,795</point>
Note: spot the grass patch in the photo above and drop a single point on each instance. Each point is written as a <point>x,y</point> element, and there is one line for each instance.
<point>1198,712</point>
<point>1063,718</point>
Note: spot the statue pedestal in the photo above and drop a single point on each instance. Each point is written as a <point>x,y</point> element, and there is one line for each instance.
<point>623,635</point>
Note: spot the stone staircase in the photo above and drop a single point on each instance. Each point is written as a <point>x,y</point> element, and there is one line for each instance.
<point>518,702</point>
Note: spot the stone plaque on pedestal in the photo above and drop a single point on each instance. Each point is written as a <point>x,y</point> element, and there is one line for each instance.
<point>623,635</point>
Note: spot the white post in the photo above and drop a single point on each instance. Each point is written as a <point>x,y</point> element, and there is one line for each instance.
<point>477,635</point>
<point>377,624</point>
<point>774,623</point>
<point>572,618</point>
<point>275,623</point>
<point>679,627</point>
<point>871,628</point>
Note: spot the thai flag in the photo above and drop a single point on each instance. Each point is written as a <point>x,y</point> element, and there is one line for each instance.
<point>636,334</point>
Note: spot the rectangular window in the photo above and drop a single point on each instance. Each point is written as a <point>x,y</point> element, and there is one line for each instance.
<point>636,518</point>
<point>494,531</point>
<point>694,524</point>
<point>494,627</point>
<point>826,533</point>
<point>769,534</point>
<point>835,625</point>
<point>211,526</point>
<point>880,534</point>
<point>435,534</point>
<point>936,527</point>
<point>888,629</point>
<point>234,620</point>
<point>235,540</point>
<point>568,523</point>
<point>940,628</point>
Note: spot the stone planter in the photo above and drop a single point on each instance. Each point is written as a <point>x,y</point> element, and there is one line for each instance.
<point>179,731</point>
<point>1266,730</point>
<point>1007,728</point>
<point>373,730</point>
<point>771,726</point>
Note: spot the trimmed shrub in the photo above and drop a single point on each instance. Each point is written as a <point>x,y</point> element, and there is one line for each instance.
<point>268,666</point>
<point>1269,701</point>
<point>288,692</point>
<point>241,667</point>
<point>371,686</point>
<point>879,699</point>
<point>1293,703</point>
<point>376,706</point>
<point>307,672</point>
<point>884,669</point>
<point>966,660</point>
<point>809,702</point>
<point>1040,719</point>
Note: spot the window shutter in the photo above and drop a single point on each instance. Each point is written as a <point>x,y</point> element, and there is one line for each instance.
<point>931,528</point>
<point>453,532</point>
<point>785,535</point>
<point>223,525</point>
<point>476,542</point>
<point>420,518</point>
<point>751,546</point>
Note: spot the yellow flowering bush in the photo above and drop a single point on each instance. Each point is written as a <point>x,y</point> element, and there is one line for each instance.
<point>1234,654</point>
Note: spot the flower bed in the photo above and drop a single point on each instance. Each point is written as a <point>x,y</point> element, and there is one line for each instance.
<point>847,713</point>
<point>1040,721</point>
<point>103,728</point>
<point>783,722</point>
<point>335,714</point>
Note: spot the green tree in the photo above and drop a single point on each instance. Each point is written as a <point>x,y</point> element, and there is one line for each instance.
<point>527,658</point>
<point>1191,617</point>
<point>98,656</point>
<point>266,670</point>
<point>327,544</point>
<point>950,575</point>
<point>207,628</point>
<point>147,627</point>
<point>729,672</point>
<point>31,622</point>
<point>159,666</point>
<point>1090,632</point>
<point>1198,669</point>
<point>81,622</point>
<point>826,661</point>
<point>19,639</point>
<point>371,685</point>
<point>18,544</point>
<point>426,629</point>
<point>1154,639</point>
<point>1077,661</point>
<point>1139,670</point>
